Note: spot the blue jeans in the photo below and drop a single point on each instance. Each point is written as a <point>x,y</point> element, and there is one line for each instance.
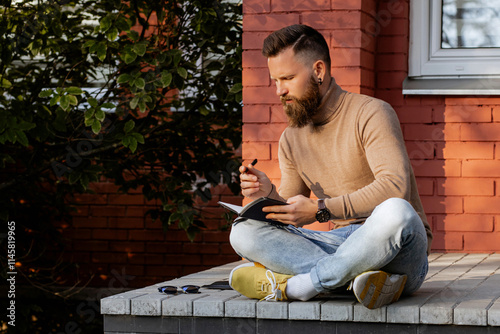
<point>392,239</point>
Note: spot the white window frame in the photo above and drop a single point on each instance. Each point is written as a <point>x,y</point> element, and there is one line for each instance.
<point>452,71</point>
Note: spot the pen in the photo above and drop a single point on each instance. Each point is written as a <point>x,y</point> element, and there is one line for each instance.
<point>253,163</point>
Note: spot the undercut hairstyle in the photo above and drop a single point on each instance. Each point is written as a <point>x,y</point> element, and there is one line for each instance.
<point>307,43</point>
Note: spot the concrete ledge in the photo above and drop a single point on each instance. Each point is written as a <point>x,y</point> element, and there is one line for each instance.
<point>115,325</point>
<point>461,294</point>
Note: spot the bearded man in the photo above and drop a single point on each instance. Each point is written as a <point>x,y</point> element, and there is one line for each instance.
<point>348,150</point>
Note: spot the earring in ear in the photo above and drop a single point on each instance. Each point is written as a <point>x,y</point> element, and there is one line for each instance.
<point>320,81</point>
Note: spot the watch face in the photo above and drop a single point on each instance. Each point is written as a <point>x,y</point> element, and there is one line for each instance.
<point>323,215</point>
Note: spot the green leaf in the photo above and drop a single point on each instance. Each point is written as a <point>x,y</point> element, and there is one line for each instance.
<point>89,113</point>
<point>84,181</point>
<point>105,23</point>
<point>236,88</point>
<point>74,90</point>
<point>134,102</point>
<point>129,58</point>
<point>124,78</point>
<point>64,102</point>
<point>101,51</point>
<point>133,144</point>
<point>161,58</point>
<point>122,24</point>
<point>93,48</point>
<point>140,83</point>
<point>140,49</point>
<point>168,207</point>
<point>25,126</point>
<point>89,121</point>
<point>204,111</point>
<point>174,217</point>
<point>142,106</point>
<point>112,34</point>
<point>166,78</point>
<point>89,43</point>
<point>74,177</point>
<point>185,221</point>
<point>4,83</point>
<point>99,114</point>
<point>54,100</point>
<point>133,35</point>
<point>7,159</point>
<point>11,135</point>
<point>93,102</point>
<point>139,137</point>
<point>182,72</point>
<point>129,126</point>
<point>35,47</point>
<point>73,100</point>
<point>177,58</point>
<point>192,231</point>
<point>108,105</point>
<point>21,138</point>
<point>46,93</point>
<point>47,109</point>
<point>96,126</point>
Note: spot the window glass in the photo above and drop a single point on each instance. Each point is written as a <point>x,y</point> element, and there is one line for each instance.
<point>470,24</point>
<point>454,47</point>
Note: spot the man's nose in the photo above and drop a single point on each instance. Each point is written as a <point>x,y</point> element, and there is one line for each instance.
<point>281,89</point>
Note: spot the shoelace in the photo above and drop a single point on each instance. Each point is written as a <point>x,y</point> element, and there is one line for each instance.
<point>275,292</point>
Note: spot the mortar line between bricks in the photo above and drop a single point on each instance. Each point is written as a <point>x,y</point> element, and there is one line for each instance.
<point>448,266</point>
<point>451,282</point>
<point>497,272</point>
<point>472,291</point>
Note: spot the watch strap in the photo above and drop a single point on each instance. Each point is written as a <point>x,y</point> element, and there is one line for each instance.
<point>321,204</point>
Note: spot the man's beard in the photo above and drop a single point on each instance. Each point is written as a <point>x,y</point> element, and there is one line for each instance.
<point>301,111</point>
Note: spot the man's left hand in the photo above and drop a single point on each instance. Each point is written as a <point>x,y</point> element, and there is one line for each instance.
<point>300,211</point>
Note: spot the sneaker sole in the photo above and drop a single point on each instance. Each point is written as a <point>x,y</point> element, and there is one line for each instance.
<point>378,288</point>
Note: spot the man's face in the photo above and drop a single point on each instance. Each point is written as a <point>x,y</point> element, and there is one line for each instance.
<point>300,111</point>
<point>296,87</point>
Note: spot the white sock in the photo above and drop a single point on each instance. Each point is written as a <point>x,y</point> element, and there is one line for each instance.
<point>300,287</point>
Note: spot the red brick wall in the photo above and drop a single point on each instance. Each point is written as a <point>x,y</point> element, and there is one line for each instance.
<point>111,238</point>
<point>452,141</point>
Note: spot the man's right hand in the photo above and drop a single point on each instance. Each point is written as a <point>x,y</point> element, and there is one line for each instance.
<point>254,183</point>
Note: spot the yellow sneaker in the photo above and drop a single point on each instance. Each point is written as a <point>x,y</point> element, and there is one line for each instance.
<point>375,289</point>
<point>253,280</point>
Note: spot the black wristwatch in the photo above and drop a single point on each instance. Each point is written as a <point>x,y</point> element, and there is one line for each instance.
<point>323,214</point>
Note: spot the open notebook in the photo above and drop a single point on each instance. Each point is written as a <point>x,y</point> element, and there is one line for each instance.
<point>253,210</point>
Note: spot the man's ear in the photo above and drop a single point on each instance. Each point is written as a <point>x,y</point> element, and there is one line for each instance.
<point>319,69</point>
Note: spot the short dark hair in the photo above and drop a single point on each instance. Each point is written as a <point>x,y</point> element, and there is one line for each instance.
<point>302,38</point>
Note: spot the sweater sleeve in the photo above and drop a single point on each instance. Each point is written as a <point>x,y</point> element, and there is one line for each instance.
<point>380,135</point>
<point>291,182</point>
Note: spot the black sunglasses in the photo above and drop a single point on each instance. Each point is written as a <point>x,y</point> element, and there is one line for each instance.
<point>172,290</point>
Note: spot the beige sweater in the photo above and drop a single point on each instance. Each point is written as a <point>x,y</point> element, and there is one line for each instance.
<point>356,158</point>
